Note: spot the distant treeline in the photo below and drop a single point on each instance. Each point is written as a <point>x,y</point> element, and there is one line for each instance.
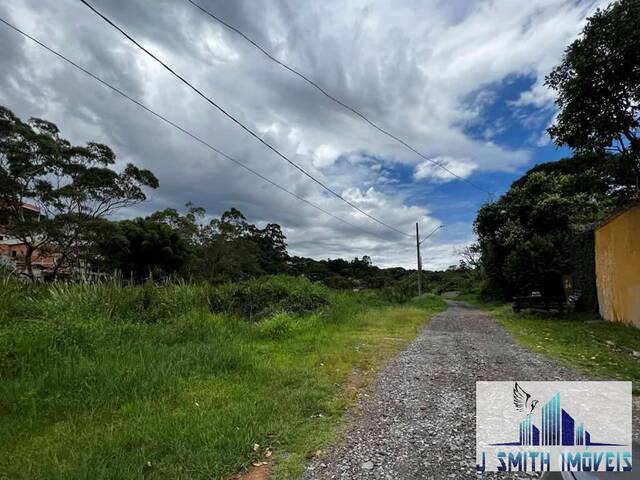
<point>230,249</point>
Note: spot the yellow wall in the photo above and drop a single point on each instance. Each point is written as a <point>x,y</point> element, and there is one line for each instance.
<point>618,267</point>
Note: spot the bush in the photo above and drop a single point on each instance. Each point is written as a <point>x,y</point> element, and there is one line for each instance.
<point>278,327</point>
<point>257,299</point>
<point>338,282</point>
<point>400,291</point>
<point>583,262</point>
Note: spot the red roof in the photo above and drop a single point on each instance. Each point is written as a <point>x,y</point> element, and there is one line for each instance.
<point>33,208</point>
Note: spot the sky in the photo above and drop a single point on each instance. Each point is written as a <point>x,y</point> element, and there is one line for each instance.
<point>462,81</point>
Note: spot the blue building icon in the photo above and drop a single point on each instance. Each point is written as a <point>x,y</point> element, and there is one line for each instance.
<point>557,428</point>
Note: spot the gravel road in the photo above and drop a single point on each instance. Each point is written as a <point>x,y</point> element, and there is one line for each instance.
<point>418,422</point>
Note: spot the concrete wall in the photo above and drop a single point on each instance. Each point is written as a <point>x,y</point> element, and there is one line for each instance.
<point>618,267</point>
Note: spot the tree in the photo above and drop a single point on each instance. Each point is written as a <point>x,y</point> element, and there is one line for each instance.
<point>598,87</point>
<point>470,256</point>
<point>227,251</point>
<point>526,236</point>
<point>272,248</point>
<point>143,248</point>
<point>470,261</point>
<point>187,226</point>
<point>72,187</point>
<point>228,248</point>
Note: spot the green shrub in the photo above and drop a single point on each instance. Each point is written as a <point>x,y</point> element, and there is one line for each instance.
<point>400,291</point>
<point>427,301</point>
<point>278,327</point>
<point>153,303</point>
<point>338,282</point>
<point>260,298</point>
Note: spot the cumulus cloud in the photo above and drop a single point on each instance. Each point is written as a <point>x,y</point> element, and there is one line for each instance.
<point>462,167</point>
<point>538,96</point>
<point>410,66</point>
<point>325,155</point>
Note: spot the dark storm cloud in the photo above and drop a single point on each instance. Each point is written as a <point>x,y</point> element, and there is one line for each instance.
<point>409,65</point>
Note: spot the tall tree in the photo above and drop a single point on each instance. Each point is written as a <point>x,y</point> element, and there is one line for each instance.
<point>526,236</point>
<point>188,225</point>
<point>598,86</point>
<point>74,187</point>
<point>272,248</point>
<point>143,248</point>
<point>228,252</point>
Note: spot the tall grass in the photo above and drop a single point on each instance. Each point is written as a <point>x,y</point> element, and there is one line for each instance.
<point>259,298</point>
<point>580,339</point>
<point>112,301</point>
<point>112,381</point>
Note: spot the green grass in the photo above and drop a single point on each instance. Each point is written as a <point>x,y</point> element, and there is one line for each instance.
<point>102,381</point>
<point>579,339</point>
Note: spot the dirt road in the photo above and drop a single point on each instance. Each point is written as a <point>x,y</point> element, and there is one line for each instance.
<point>419,420</point>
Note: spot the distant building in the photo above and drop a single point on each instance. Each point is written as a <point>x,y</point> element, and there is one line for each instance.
<point>617,259</point>
<point>13,253</point>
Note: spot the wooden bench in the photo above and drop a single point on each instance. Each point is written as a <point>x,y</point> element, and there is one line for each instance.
<point>538,302</point>
<point>546,303</point>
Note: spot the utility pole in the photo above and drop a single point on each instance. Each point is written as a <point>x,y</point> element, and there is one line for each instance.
<point>418,243</point>
<point>419,260</point>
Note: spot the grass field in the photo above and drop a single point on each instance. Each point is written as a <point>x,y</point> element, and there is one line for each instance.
<point>110,382</point>
<point>579,339</point>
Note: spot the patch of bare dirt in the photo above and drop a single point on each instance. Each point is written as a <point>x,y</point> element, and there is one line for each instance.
<point>357,381</point>
<point>260,471</point>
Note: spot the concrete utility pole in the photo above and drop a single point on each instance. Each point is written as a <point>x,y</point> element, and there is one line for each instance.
<point>419,260</point>
<point>418,243</point>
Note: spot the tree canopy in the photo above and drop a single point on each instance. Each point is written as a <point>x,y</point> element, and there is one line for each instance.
<point>73,187</point>
<point>533,234</point>
<point>527,236</point>
<point>598,87</point>
<point>143,248</point>
<point>224,249</point>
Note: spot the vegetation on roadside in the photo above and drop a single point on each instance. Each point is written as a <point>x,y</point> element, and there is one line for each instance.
<point>112,381</point>
<point>265,296</point>
<point>597,87</point>
<point>580,339</point>
<point>535,233</point>
<point>540,229</point>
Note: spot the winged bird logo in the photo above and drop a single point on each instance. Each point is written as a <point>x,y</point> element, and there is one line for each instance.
<point>522,400</point>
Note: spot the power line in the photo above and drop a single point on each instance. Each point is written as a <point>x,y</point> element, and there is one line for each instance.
<point>432,233</point>
<point>178,127</point>
<point>315,85</point>
<point>238,122</point>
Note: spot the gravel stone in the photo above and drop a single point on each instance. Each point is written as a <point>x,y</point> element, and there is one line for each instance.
<point>418,422</point>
